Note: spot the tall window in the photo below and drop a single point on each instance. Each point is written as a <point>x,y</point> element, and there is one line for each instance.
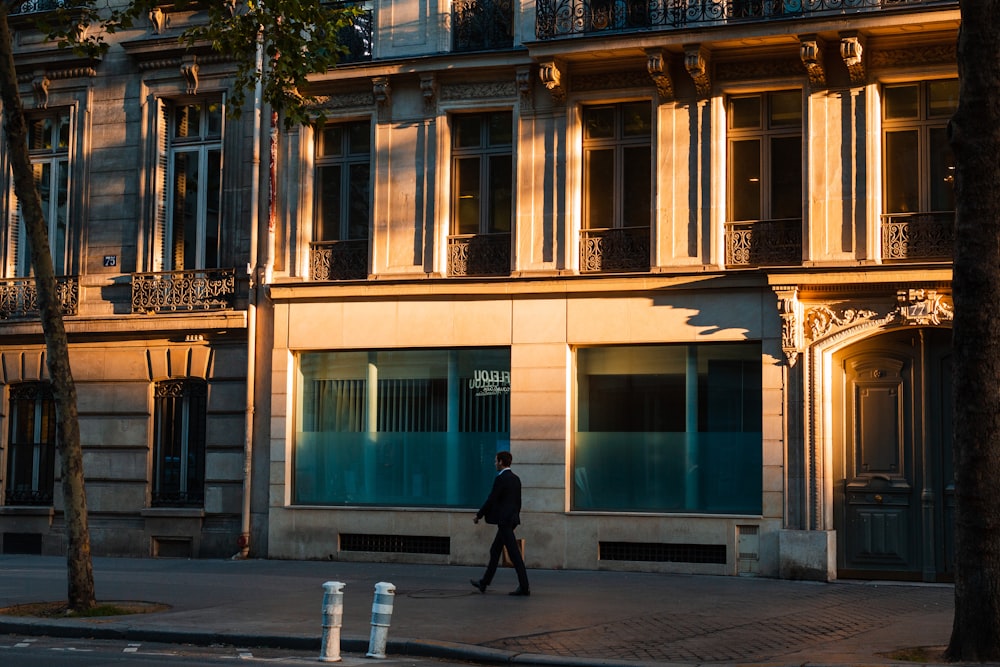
<point>400,427</point>
<point>179,443</point>
<point>765,156</point>
<point>32,444</point>
<point>669,428</point>
<point>189,216</point>
<point>617,165</point>
<point>482,173</point>
<point>343,181</point>
<point>48,145</point>
<point>617,187</point>
<point>919,165</point>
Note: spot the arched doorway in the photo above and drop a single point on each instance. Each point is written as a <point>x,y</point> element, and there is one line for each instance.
<point>892,467</point>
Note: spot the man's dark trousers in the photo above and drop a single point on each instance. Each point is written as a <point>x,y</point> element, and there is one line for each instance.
<point>505,538</point>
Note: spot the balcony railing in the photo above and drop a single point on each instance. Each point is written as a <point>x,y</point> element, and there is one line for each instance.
<point>19,297</point>
<point>339,260</point>
<point>764,243</point>
<point>186,290</point>
<point>37,6</point>
<point>557,18</point>
<point>918,236</point>
<point>479,255</point>
<point>482,25</point>
<point>619,249</point>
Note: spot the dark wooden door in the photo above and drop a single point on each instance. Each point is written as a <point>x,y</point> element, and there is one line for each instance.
<point>893,476</point>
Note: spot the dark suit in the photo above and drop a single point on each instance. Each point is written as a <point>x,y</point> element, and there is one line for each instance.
<point>503,508</point>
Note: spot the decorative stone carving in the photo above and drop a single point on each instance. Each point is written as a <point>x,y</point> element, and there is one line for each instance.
<point>922,307</point>
<point>658,65</point>
<point>382,94</point>
<point>551,75</point>
<point>917,56</point>
<point>429,89</point>
<point>40,84</point>
<point>852,48</point>
<point>478,90</point>
<point>157,20</point>
<point>811,52</point>
<point>611,80</point>
<point>740,70</point>
<point>523,81</point>
<point>343,101</point>
<point>822,320</point>
<point>790,310</point>
<point>189,70</point>
<point>696,62</point>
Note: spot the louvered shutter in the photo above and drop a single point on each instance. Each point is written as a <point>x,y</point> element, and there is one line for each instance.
<point>15,237</point>
<point>160,219</point>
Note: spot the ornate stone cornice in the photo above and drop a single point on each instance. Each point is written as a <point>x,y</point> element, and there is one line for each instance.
<point>658,66</point>
<point>811,53</point>
<point>696,62</point>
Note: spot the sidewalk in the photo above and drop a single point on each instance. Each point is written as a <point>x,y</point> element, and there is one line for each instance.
<point>572,617</point>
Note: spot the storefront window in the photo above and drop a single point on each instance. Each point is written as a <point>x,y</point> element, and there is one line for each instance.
<point>415,428</point>
<point>672,428</point>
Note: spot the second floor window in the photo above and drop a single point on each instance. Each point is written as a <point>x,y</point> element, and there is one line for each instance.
<point>31,444</point>
<point>48,145</point>
<point>189,210</point>
<point>765,156</point>
<point>919,166</point>
<point>179,443</point>
<point>343,182</point>
<point>617,165</point>
<point>482,173</point>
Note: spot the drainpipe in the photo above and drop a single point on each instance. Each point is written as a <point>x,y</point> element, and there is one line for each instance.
<point>256,273</point>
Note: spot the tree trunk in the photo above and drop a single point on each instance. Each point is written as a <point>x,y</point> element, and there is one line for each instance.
<point>80,574</point>
<point>975,139</point>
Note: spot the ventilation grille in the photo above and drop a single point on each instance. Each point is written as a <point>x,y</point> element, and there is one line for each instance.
<point>29,544</point>
<point>404,544</point>
<point>662,552</point>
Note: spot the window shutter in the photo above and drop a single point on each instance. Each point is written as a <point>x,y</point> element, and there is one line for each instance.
<point>160,222</point>
<point>15,238</point>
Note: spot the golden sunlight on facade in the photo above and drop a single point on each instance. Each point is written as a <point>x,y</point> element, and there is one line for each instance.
<point>689,261</point>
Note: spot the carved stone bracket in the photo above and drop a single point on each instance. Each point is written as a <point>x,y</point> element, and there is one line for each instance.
<point>811,52</point>
<point>157,20</point>
<point>429,89</point>
<point>551,75</point>
<point>851,49</point>
<point>923,307</point>
<point>189,70</point>
<point>658,64</point>
<point>382,93</point>
<point>696,62</point>
<point>523,78</point>
<point>40,84</point>
<point>790,309</point>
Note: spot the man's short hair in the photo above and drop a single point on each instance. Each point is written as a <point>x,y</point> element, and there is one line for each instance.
<point>505,459</point>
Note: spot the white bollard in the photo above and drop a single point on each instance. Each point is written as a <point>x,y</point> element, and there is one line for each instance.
<point>381,614</point>
<point>333,617</point>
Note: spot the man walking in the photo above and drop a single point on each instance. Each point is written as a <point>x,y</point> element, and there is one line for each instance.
<point>503,508</point>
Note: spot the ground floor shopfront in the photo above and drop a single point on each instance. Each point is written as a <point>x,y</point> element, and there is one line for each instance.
<point>673,425</point>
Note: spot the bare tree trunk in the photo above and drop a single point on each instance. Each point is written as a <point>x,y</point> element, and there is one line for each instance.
<point>80,574</point>
<point>975,138</point>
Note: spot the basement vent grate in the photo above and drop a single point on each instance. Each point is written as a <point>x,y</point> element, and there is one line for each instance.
<point>404,544</point>
<point>662,552</point>
<point>29,544</point>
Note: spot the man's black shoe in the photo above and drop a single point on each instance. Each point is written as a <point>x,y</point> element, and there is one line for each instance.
<point>520,591</point>
<point>478,583</point>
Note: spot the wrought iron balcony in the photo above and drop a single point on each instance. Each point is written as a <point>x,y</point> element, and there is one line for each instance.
<point>918,236</point>
<point>19,297</point>
<point>764,243</point>
<point>479,255</point>
<point>482,25</point>
<point>37,6</point>
<point>339,260</point>
<point>619,249</point>
<point>558,18</point>
<point>185,290</point>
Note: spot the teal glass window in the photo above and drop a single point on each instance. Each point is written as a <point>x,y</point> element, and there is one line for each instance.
<point>402,428</point>
<point>669,428</point>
